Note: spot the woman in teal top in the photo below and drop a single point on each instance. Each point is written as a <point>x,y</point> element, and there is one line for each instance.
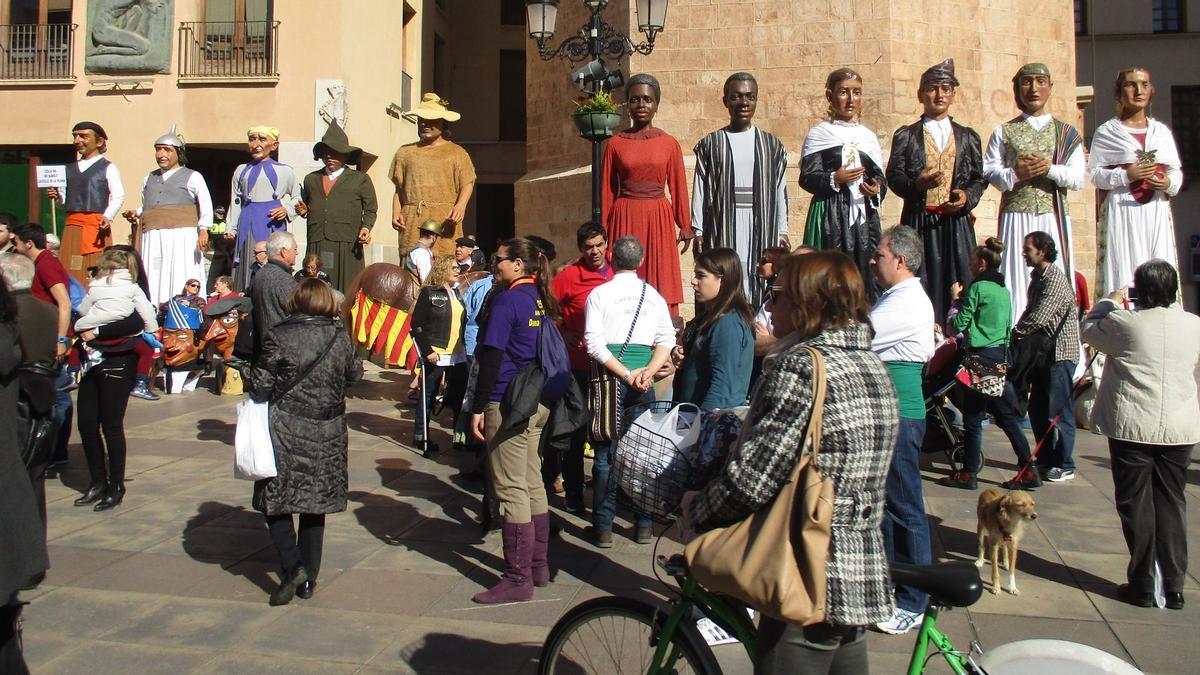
<point>717,354</point>
<point>985,317</point>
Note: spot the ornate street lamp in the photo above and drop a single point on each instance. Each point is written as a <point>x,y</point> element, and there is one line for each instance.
<point>593,41</point>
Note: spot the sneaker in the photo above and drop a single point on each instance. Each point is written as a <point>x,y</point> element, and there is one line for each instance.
<point>901,622</point>
<point>142,390</point>
<point>600,538</point>
<point>964,480</point>
<point>643,535</point>
<point>1026,480</point>
<point>1057,475</point>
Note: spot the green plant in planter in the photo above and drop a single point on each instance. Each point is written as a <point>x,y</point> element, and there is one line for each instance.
<point>597,116</point>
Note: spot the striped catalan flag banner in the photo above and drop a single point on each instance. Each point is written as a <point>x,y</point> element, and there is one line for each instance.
<point>385,330</point>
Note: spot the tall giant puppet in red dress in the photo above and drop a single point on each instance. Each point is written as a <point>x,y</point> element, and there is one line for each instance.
<point>638,164</point>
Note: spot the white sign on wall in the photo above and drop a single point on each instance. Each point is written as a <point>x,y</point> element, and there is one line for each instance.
<point>329,104</point>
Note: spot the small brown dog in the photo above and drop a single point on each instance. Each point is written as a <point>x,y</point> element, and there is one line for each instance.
<point>1002,517</point>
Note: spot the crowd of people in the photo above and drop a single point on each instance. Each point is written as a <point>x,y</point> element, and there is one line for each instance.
<point>541,365</point>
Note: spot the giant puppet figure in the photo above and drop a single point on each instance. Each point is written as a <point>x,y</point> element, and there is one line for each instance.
<point>936,167</point>
<point>1033,159</point>
<point>739,195</point>
<point>173,220</point>
<point>842,166</point>
<point>264,196</point>
<point>340,205</point>
<point>92,199</point>
<point>1135,164</point>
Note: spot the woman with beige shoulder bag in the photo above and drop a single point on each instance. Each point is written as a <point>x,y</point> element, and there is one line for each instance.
<point>819,303</point>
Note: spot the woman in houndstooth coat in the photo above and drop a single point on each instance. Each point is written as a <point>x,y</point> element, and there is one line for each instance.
<point>819,301</point>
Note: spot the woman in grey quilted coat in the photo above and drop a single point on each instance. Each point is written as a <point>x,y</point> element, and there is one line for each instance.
<point>306,363</point>
<point>818,301</point>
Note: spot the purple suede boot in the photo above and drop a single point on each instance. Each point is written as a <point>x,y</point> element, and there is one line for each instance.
<point>515,584</point>
<point>540,565</point>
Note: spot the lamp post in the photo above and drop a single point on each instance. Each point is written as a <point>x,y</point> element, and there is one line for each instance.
<point>593,41</point>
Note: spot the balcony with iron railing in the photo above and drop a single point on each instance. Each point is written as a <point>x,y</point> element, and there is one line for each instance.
<point>241,51</point>
<point>37,53</point>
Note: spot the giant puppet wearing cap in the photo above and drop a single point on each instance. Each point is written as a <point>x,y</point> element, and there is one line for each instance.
<point>92,199</point>
<point>434,177</point>
<point>1033,159</point>
<point>173,220</point>
<point>340,205</point>
<point>263,199</point>
<point>936,167</point>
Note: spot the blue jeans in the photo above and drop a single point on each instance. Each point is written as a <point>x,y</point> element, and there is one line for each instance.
<point>604,492</point>
<point>974,409</point>
<point>1050,395</point>
<point>62,412</point>
<point>905,526</point>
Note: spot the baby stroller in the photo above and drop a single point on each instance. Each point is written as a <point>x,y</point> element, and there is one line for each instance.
<point>938,387</point>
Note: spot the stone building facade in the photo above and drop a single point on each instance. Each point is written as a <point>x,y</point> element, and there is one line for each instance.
<point>791,46</point>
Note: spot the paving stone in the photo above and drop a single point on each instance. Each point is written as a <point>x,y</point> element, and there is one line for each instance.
<point>326,634</point>
<point>1158,648</point>
<point>383,591</point>
<point>147,573</point>
<point>250,663</point>
<point>86,613</point>
<point>68,563</point>
<point>191,622</point>
<point>103,658</point>
<point>463,647</point>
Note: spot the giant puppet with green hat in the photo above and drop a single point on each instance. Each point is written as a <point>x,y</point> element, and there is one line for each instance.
<point>1033,160</point>
<point>340,205</point>
<point>434,177</point>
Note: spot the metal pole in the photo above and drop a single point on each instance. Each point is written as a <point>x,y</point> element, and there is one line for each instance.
<point>596,181</point>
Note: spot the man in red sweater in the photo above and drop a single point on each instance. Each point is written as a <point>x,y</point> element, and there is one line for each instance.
<point>571,288</point>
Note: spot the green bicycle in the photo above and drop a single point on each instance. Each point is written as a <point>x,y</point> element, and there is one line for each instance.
<point>623,636</point>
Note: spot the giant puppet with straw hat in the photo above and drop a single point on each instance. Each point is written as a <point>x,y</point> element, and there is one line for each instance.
<point>434,177</point>
<point>263,199</point>
<point>340,205</point>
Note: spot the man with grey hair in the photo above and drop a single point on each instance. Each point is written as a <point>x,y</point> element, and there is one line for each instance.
<point>628,333</point>
<point>904,328</point>
<point>273,285</point>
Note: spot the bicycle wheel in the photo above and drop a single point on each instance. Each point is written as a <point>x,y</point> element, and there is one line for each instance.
<point>612,636</point>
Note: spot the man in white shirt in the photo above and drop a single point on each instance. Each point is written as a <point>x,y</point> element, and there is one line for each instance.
<point>1034,159</point>
<point>419,260</point>
<point>173,220</point>
<point>903,323</point>
<point>92,199</point>
<point>739,195</point>
<point>628,332</point>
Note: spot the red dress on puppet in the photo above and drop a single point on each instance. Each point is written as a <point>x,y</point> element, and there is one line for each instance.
<point>637,166</point>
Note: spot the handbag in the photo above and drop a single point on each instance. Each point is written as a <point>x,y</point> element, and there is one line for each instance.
<point>36,428</point>
<point>254,452</point>
<point>774,560</point>
<point>605,391</point>
<point>982,376</point>
<point>1031,353</point>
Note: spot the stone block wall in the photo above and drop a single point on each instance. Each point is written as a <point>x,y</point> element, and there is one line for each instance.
<point>790,47</point>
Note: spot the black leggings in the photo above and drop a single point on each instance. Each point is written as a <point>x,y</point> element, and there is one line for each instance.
<point>103,397</point>
<point>305,549</point>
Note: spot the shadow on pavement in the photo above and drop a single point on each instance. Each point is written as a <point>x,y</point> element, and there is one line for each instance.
<point>439,653</point>
<point>227,552</point>
<point>215,430</point>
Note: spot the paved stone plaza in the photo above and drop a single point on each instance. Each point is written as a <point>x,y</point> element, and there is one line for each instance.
<point>176,579</point>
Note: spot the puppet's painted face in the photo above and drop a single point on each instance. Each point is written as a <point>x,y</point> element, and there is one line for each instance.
<point>222,333</point>
<point>179,346</point>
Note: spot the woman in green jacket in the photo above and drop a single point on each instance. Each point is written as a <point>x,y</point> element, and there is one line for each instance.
<point>985,318</point>
<point>717,353</point>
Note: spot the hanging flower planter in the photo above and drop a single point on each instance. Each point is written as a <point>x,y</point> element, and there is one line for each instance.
<point>597,116</point>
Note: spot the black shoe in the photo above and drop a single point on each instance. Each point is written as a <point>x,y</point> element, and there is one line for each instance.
<point>41,576</point>
<point>1026,480</point>
<point>1127,593</point>
<point>577,507</point>
<point>1174,600</point>
<point>288,586</point>
<point>428,448</point>
<point>306,589</point>
<point>112,499</point>
<point>55,469</point>
<point>94,494</point>
<point>964,480</point>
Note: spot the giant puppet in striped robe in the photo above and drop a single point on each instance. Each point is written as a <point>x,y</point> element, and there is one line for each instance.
<point>381,316</point>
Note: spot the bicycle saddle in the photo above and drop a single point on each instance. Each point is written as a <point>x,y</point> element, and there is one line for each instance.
<point>952,584</point>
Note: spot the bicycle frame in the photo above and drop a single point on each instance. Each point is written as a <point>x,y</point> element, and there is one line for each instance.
<point>961,664</point>
<point>693,594</point>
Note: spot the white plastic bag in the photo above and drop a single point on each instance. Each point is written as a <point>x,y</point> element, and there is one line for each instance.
<point>255,455</point>
<point>654,459</point>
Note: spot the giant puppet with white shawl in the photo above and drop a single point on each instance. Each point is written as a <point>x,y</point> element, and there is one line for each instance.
<point>739,193</point>
<point>842,166</point>
<point>263,199</point>
<point>1034,159</point>
<point>1135,166</point>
